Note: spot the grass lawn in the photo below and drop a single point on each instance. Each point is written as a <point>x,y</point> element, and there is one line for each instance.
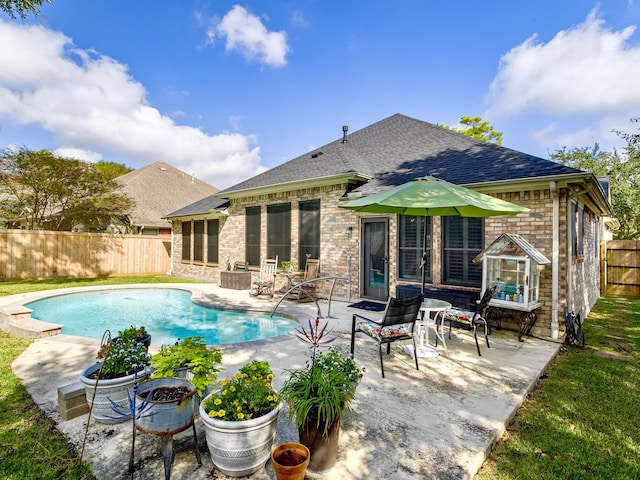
<point>580,422</point>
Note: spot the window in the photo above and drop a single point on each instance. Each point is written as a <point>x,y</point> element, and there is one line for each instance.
<point>198,241</point>
<point>213,227</point>
<point>410,247</point>
<point>309,228</point>
<point>186,241</point>
<point>462,240</point>
<point>279,231</point>
<point>577,230</point>
<point>252,235</point>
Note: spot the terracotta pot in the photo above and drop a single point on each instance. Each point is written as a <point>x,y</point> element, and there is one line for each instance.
<point>290,461</point>
<point>323,447</point>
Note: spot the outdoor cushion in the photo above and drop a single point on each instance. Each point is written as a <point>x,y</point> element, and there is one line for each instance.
<point>458,315</point>
<point>373,330</point>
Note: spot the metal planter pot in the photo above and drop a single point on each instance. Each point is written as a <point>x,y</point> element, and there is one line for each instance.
<point>108,395</point>
<point>166,417</point>
<point>240,448</point>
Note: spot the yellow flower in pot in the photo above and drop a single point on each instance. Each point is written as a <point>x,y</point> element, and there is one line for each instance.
<point>240,419</point>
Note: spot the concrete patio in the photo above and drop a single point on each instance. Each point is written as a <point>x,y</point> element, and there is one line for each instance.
<point>438,422</point>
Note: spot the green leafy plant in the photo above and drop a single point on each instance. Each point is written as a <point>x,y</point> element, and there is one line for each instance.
<point>288,265</point>
<point>133,333</point>
<point>325,386</point>
<point>246,395</point>
<point>191,353</point>
<point>122,358</point>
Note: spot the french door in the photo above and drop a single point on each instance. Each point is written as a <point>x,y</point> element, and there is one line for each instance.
<point>375,258</point>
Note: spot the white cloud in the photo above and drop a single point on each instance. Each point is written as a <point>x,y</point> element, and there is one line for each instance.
<point>78,154</point>
<point>584,69</point>
<point>91,103</point>
<point>246,34</point>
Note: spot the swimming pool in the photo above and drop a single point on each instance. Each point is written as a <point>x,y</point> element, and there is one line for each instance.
<point>168,314</point>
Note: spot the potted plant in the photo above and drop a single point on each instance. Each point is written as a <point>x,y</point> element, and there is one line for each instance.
<point>240,418</point>
<point>288,265</point>
<point>107,383</point>
<point>137,334</point>
<point>191,356</point>
<point>319,395</point>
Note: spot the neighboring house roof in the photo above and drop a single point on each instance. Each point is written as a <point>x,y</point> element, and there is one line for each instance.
<point>399,148</point>
<point>160,188</point>
<point>208,204</point>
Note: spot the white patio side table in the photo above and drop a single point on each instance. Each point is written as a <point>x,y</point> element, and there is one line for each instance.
<point>431,311</point>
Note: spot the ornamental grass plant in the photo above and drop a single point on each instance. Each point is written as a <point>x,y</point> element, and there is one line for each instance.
<point>324,386</point>
<point>248,394</point>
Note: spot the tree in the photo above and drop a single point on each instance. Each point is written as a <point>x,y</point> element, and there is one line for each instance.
<point>478,128</point>
<point>623,170</point>
<point>21,7</point>
<point>58,193</point>
<point>112,170</point>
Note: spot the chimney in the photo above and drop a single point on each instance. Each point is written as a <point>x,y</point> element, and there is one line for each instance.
<point>345,129</point>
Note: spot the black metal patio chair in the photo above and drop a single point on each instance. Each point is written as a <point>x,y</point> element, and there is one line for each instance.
<point>397,323</point>
<point>468,320</point>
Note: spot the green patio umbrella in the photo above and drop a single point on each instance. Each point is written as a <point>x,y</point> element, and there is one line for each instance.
<point>432,197</point>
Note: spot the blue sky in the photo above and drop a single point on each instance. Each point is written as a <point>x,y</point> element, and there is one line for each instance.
<point>225,90</point>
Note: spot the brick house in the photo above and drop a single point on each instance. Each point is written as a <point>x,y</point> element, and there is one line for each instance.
<point>292,211</point>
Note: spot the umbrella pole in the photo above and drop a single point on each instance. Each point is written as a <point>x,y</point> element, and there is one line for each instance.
<point>423,265</point>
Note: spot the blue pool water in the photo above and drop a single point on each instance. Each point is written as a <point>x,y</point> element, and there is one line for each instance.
<point>167,314</point>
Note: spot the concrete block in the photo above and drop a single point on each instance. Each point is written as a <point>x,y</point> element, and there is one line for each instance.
<point>72,401</point>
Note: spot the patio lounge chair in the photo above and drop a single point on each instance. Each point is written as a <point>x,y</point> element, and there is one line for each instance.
<point>468,320</point>
<point>266,281</point>
<point>306,292</point>
<point>397,323</point>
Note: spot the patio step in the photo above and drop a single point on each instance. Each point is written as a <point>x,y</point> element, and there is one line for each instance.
<point>18,322</point>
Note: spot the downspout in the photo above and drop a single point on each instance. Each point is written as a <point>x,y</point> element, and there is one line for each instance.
<point>170,271</point>
<point>555,261</point>
<point>570,198</point>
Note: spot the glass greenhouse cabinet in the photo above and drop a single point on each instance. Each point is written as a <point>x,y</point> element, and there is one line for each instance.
<point>513,265</point>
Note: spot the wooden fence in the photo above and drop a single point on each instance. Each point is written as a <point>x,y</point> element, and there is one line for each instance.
<point>621,270</point>
<point>26,254</point>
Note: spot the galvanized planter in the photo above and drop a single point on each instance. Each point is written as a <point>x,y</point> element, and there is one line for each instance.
<point>108,395</point>
<point>240,448</point>
<point>165,417</point>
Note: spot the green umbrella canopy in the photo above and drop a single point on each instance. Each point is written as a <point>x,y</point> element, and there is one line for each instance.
<point>432,197</point>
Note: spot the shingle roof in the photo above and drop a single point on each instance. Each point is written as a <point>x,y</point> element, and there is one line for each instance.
<point>159,188</point>
<point>206,205</point>
<point>399,148</point>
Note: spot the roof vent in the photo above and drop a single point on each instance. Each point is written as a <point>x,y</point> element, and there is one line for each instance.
<point>345,129</point>
<point>316,155</point>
